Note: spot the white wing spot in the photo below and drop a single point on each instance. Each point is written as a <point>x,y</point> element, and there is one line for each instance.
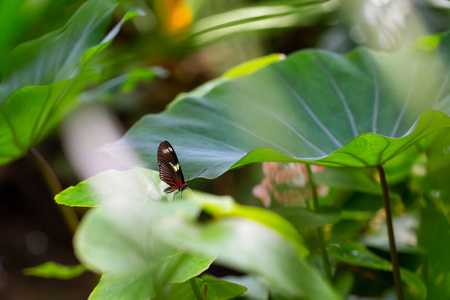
<point>167,150</point>
<point>175,167</point>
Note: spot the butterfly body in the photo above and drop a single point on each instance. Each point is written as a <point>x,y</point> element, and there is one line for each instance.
<point>169,168</point>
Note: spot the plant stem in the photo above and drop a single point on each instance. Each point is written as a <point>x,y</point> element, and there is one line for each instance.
<point>195,289</point>
<point>53,183</point>
<point>392,247</point>
<point>205,290</point>
<point>320,232</point>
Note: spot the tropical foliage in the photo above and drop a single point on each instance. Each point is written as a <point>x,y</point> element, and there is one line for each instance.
<point>354,149</point>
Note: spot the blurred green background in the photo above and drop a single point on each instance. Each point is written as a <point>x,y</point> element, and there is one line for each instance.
<point>175,47</point>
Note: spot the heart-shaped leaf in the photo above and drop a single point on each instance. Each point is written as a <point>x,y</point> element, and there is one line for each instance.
<point>117,239</point>
<point>42,78</point>
<point>133,232</point>
<point>355,110</point>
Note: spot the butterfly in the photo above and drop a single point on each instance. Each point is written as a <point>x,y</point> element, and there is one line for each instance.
<point>169,168</point>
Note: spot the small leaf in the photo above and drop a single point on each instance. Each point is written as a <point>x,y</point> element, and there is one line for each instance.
<point>256,290</point>
<point>141,75</point>
<point>253,65</point>
<point>192,265</point>
<point>51,269</point>
<point>428,42</point>
<point>216,289</point>
<point>125,286</point>
<point>358,255</point>
<point>183,291</point>
<point>121,84</point>
<point>221,289</point>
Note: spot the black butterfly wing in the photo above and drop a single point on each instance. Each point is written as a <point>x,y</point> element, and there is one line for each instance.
<point>169,167</point>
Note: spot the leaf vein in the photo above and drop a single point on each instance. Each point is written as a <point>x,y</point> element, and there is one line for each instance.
<point>309,143</point>
<point>408,99</point>
<point>207,138</point>
<point>441,90</point>
<point>340,95</point>
<point>376,99</point>
<point>242,128</point>
<point>309,111</point>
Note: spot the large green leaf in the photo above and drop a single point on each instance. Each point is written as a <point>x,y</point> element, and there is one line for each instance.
<point>355,110</point>
<point>228,208</point>
<point>21,20</point>
<point>140,285</point>
<point>249,246</point>
<point>111,186</point>
<point>42,78</point>
<point>117,239</point>
<point>133,232</point>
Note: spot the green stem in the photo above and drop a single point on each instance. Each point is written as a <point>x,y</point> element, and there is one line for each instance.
<point>53,183</point>
<point>195,289</point>
<point>320,232</point>
<point>392,247</point>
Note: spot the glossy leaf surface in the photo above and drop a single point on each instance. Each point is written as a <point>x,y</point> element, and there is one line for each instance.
<point>354,110</point>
